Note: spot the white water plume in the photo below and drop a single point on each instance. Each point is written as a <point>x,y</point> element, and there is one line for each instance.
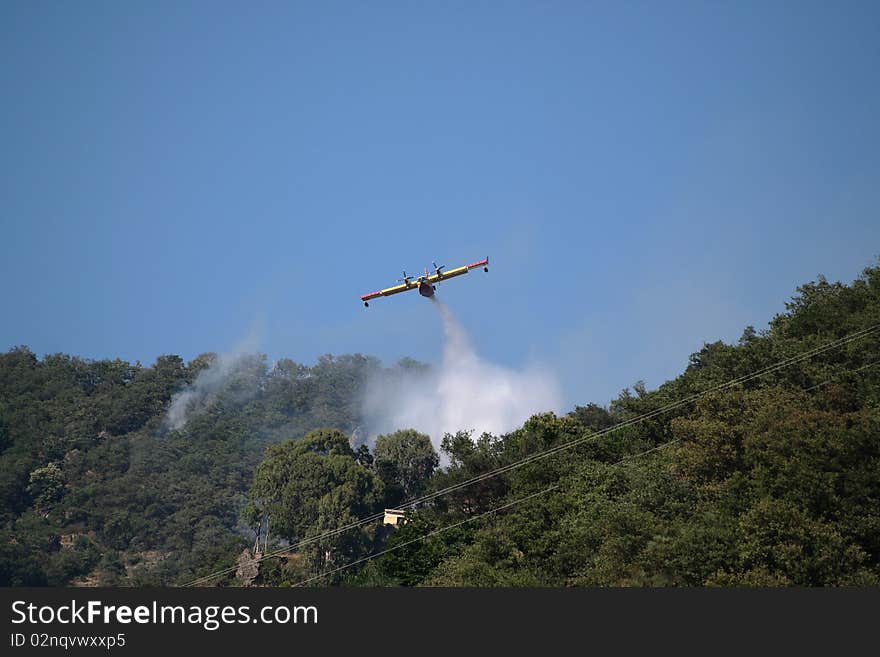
<point>465,393</point>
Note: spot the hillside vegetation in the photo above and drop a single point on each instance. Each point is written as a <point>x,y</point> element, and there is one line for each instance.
<point>772,482</point>
<point>94,486</point>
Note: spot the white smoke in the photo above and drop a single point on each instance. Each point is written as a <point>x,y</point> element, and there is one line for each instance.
<point>465,393</point>
<point>235,376</point>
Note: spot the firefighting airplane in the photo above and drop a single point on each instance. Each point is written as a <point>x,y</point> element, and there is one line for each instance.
<point>425,284</point>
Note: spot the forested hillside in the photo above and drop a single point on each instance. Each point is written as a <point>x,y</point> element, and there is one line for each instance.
<point>94,486</point>
<point>772,482</point>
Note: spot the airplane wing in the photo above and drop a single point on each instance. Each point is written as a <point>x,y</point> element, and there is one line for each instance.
<point>451,273</point>
<point>388,291</point>
<point>458,271</point>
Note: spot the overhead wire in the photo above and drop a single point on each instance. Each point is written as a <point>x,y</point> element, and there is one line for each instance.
<point>811,353</point>
<point>472,518</point>
<point>517,501</point>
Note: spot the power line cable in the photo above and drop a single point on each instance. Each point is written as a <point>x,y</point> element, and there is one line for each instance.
<point>501,507</point>
<point>548,452</point>
<point>512,503</point>
<point>811,353</point>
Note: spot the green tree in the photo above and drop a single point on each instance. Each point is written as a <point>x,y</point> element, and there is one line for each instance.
<point>405,460</point>
<point>315,485</point>
<point>46,486</point>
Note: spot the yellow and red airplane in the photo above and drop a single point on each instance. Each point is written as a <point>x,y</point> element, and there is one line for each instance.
<point>425,284</point>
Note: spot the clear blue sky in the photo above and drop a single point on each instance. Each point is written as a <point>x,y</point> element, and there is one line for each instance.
<point>646,176</point>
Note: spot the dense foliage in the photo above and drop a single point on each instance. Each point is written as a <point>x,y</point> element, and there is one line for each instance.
<point>772,482</point>
<point>96,488</point>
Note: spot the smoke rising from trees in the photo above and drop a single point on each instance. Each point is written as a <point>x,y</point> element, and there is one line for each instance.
<point>233,376</point>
